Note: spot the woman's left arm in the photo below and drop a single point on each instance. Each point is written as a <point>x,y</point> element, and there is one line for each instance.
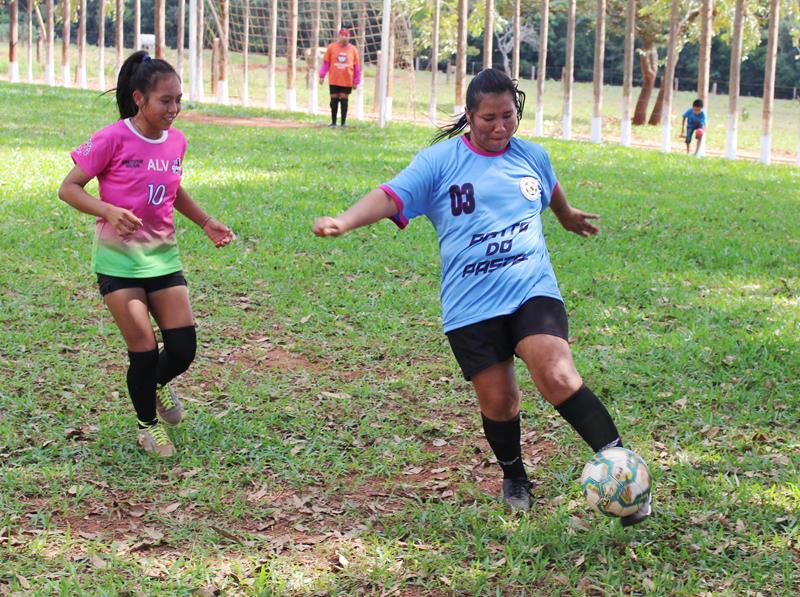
<point>218,232</point>
<point>572,219</point>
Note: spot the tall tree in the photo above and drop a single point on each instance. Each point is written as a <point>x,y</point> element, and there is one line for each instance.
<point>434,57</point>
<point>769,81</point>
<point>13,41</point>
<point>731,139</point>
<point>706,35</point>
<point>119,40</point>
<point>461,57</point>
<point>273,54</point>
<point>49,64</point>
<point>627,78</point>
<point>666,85</point>
<point>160,27</point>
<point>541,68</point>
<point>488,33</point>
<point>569,71</point>
<point>101,44</point>
<point>82,79</point>
<point>517,33</point>
<point>66,18</point>
<point>291,56</point>
<point>597,77</point>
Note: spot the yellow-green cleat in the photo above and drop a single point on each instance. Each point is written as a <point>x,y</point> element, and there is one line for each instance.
<point>154,440</point>
<point>169,406</point>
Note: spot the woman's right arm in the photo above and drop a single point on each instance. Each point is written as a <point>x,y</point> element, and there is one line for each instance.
<point>372,207</point>
<point>73,193</point>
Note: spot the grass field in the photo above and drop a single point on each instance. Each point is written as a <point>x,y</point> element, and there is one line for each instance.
<point>331,445</point>
<point>412,92</point>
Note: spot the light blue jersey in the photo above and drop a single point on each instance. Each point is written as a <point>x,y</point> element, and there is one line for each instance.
<point>695,121</point>
<point>486,209</point>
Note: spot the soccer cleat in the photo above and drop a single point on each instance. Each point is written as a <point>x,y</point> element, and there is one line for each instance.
<point>517,493</point>
<point>169,406</point>
<point>645,511</point>
<point>154,440</point>
<point>332,125</point>
<point>343,125</point>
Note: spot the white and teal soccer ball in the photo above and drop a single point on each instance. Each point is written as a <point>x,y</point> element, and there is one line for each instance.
<point>616,482</point>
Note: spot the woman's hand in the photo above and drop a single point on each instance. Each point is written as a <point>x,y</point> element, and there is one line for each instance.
<point>578,221</point>
<point>327,226</point>
<point>218,232</point>
<point>124,222</point>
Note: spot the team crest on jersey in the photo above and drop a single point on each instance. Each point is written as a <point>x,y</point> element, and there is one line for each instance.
<point>530,188</point>
<point>85,148</point>
<point>342,58</point>
<point>176,166</point>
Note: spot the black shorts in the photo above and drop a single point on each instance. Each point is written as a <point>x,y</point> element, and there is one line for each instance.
<point>111,283</point>
<point>480,345</point>
<point>340,89</point>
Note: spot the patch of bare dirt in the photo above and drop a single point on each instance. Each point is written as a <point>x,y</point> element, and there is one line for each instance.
<point>256,121</point>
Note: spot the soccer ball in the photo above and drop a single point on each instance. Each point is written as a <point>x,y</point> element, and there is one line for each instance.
<point>616,482</point>
<point>699,133</point>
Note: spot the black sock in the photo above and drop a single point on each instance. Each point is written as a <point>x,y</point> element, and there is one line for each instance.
<point>142,384</point>
<point>344,109</point>
<point>334,109</point>
<point>180,345</point>
<point>587,415</point>
<point>504,438</point>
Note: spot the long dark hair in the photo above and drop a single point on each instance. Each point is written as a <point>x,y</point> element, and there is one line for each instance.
<point>488,80</point>
<point>139,71</point>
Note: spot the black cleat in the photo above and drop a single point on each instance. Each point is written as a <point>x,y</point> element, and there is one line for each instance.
<point>517,493</point>
<point>332,125</point>
<point>645,511</point>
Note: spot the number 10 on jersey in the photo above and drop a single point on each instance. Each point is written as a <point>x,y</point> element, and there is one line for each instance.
<point>156,193</point>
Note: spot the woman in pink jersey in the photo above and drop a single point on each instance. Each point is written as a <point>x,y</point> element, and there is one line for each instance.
<point>138,163</point>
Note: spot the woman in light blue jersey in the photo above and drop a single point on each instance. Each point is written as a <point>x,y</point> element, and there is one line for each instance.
<point>484,191</point>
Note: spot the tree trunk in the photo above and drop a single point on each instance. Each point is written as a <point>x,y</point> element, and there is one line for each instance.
<point>627,81</point>
<point>569,72</point>
<point>648,63</point>
<point>488,33</point>
<point>461,57</point>
<point>597,75</point>
<point>82,80</point>
<point>160,20</point>
<point>246,54</point>
<point>516,33</point>
<point>181,35</point>
<point>13,39</point>
<point>66,15</point>
<point>101,44</point>
<point>769,81</point>
<point>273,54</point>
<point>704,63</point>
<point>118,35</point>
<point>669,75</point>
<point>137,25</point>
<point>224,34</point>
<point>731,139</point>
<point>655,115</point>
<point>541,69</point>
<point>291,54</point>
<point>434,58</point>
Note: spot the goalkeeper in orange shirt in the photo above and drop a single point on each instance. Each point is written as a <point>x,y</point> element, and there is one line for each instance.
<point>343,67</point>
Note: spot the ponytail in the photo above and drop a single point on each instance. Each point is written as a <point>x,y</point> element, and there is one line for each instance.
<point>138,72</point>
<point>487,81</point>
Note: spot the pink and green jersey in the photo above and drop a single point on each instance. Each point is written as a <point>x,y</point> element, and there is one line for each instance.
<point>143,176</point>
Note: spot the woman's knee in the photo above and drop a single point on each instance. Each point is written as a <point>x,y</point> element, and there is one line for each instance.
<point>180,345</point>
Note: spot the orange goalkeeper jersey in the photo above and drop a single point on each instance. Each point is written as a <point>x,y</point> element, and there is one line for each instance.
<point>343,64</point>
